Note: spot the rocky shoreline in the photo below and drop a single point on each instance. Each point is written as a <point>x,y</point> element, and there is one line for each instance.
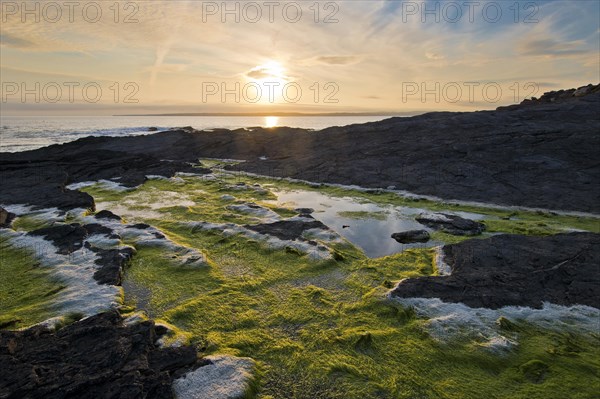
<point>535,155</point>
<point>98,357</point>
<point>541,153</point>
<point>513,270</point>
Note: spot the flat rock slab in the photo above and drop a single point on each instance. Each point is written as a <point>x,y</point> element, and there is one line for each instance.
<point>407,237</point>
<point>451,224</point>
<point>288,229</point>
<point>514,270</point>
<point>98,357</point>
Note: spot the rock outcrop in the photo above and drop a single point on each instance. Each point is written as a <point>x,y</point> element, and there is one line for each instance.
<point>6,217</point>
<point>451,224</point>
<point>290,229</point>
<point>407,237</point>
<point>558,96</point>
<point>513,270</point>
<point>40,177</point>
<point>68,238</point>
<point>98,357</point>
<point>542,155</point>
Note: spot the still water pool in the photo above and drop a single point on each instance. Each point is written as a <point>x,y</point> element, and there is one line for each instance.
<point>365,224</point>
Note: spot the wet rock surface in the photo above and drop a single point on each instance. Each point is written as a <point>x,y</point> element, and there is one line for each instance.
<point>69,238</point>
<point>537,156</point>
<point>513,270</point>
<point>98,357</point>
<point>6,217</point>
<point>104,214</point>
<point>112,264</point>
<point>288,229</point>
<point>40,177</point>
<point>407,237</point>
<point>451,224</point>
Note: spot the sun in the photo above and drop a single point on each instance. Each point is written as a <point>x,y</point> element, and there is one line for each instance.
<point>275,69</point>
<point>271,71</point>
<point>268,82</point>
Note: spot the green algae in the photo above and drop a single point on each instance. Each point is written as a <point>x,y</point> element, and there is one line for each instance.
<point>27,290</point>
<point>29,223</point>
<point>324,329</point>
<point>363,215</point>
<point>558,221</point>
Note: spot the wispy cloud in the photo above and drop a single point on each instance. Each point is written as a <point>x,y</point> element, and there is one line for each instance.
<point>369,53</point>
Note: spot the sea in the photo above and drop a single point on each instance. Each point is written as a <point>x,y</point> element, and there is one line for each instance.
<point>23,133</point>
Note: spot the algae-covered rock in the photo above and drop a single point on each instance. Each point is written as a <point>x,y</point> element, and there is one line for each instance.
<point>534,370</point>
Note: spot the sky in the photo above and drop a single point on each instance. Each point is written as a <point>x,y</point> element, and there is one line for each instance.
<point>103,58</point>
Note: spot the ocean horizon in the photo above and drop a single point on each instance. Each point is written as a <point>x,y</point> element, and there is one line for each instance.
<point>24,133</point>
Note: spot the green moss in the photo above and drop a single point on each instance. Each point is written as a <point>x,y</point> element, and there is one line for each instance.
<point>452,239</point>
<point>534,370</point>
<point>325,329</point>
<point>525,227</point>
<point>364,215</point>
<point>26,289</point>
<point>506,325</point>
<point>283,212</point>
<point>68,319</point>
<point>386,198</point>
<point>29,223</point>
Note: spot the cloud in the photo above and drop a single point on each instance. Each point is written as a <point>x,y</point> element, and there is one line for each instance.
<point>16,42</point>
<point>167,68</point>
<point>551,47</point>
<point>371,50</point>
<point>434,56</point>
<point>338,59</point>
<point>260,73</point>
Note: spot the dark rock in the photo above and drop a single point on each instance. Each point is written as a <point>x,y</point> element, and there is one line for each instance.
<point>171,359</point>
<point>67,238</point>
<point>160,330</point>
<point>95,228</point>
<point>513,270</point>
<point>6,217</point>
<point>287,229</point>
<point>104,214</point>
<point>407,237</point>
<point>451,224</point>
<point>304,211</point>
<point>98,357</point>
<point>39,177</point>
<point>542,155</point>
<point>112,263</point>
<point>152,129</point>
<point>556,97</point>
<point>140,226</point>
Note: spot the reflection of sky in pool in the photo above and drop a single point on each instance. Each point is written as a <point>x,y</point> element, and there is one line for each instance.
<point>373,236</point>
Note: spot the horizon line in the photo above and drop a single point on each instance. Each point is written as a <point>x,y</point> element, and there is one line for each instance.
<point>400,113</point>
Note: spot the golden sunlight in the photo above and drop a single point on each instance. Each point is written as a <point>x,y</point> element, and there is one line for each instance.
<point>271,121</point>
<point>272,71</point>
